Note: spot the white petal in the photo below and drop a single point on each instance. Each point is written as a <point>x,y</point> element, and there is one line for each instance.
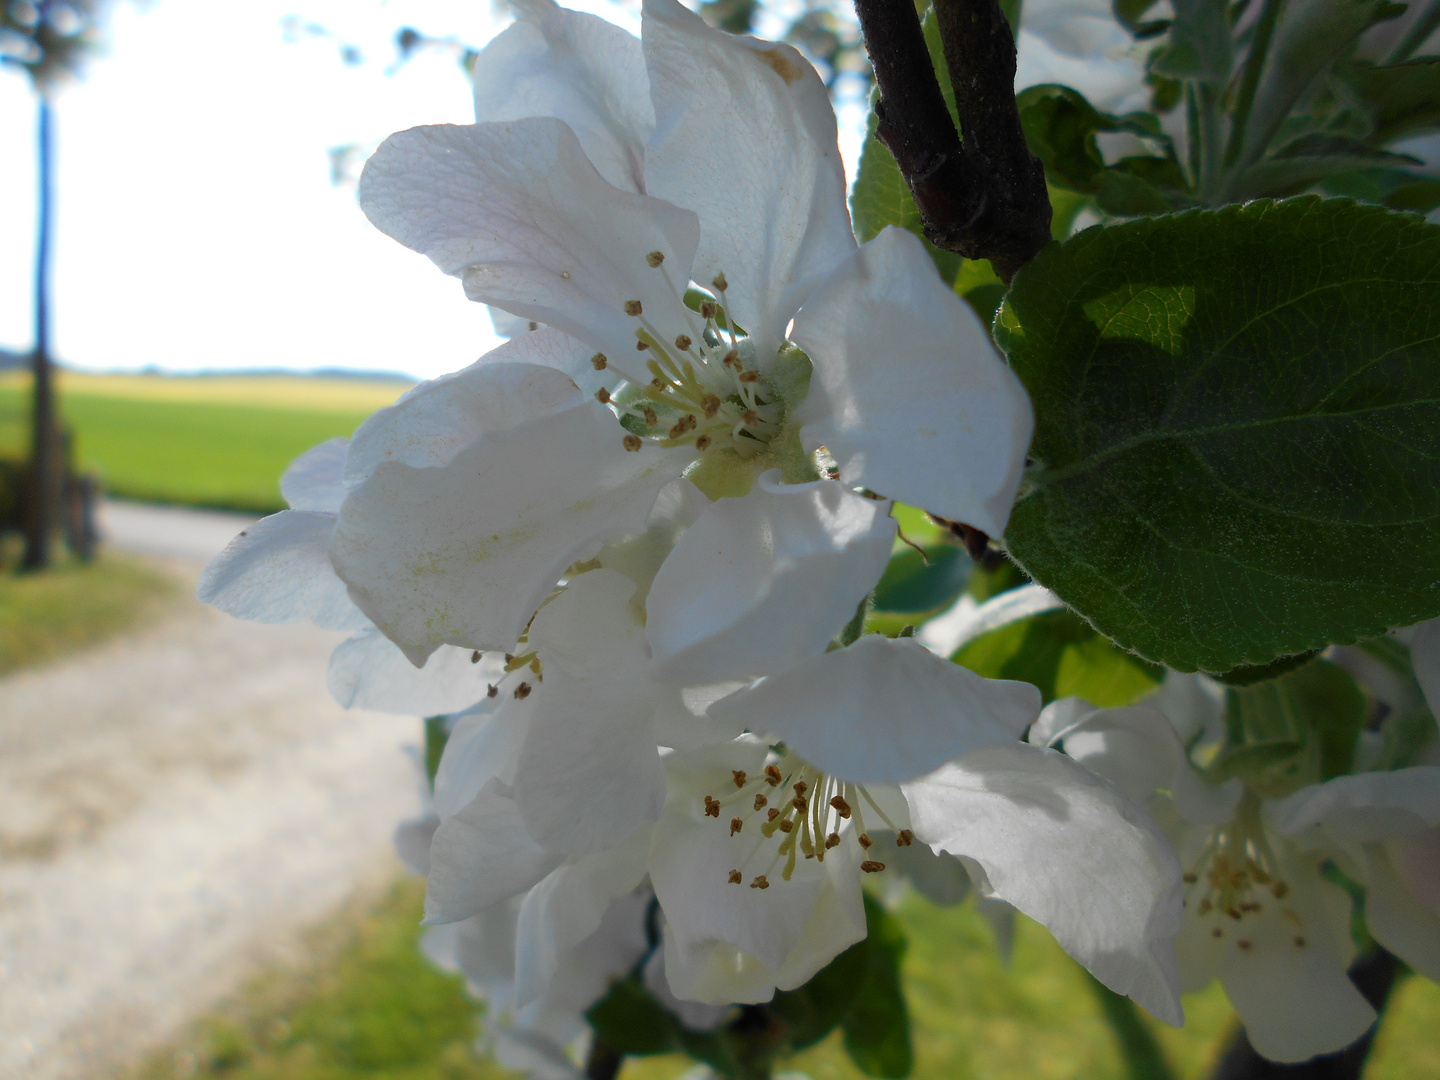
<point>1193,703</point>
<point>464,554</point>
<point>412,842</point>
<point>576,68</point>
<point>762,582</point>
<point>585,971</point>
<point>1138,751</point>
<point>1062,846</point>
<point>1281,970</point>
<point>908,393</point>
<point>1425,656</point>
<point>568,906</point>
<point>484,742</point>
<point>480,857</point>
<point>883,710</point>
<point>745,137</point>
<point>370,672</point>
<point>589,772</point>
<point>504,389</point>
<point>591,629</point>
<point>1395,912</point>
<point>482,948</point>
<point>1364,807</point>
<point>279,571</point>
<point>313,480</point>
<point>678,506</point>
<point>1056,720</point>
<point>518,212</point>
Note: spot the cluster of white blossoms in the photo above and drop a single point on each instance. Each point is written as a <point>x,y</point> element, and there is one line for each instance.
<point>625,547</point>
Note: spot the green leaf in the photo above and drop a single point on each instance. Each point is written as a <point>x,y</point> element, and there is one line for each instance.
<point>910,584</point>
<point>817,1008</point>
<point>437,734</point>
<point>1252,674</point>
<point>629,1020</point>
<point>1199,46</point>
<point>877,1028</point>
<point>881,197</point>
<point>1237,447</point>
<point>1062,656</point>
<point>1403,99</point>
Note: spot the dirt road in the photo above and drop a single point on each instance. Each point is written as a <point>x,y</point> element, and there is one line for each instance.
<point>175,807</point>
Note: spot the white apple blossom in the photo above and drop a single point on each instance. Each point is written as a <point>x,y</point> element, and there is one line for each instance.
<point>605,174</point>
<point>1260,916</point>
<point>279,571</point>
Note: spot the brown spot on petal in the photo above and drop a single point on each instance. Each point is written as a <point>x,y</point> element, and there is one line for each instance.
<point>782,64</point>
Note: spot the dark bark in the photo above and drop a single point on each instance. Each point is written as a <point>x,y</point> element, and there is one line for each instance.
<point>985,196</point>
<point>1374,976</point>
<point>44,479</point>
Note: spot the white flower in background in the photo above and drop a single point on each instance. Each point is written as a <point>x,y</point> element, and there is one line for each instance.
<point>603,176</point>
<point>1080,44</point>
<point>1260,916</point>
<point>279,571</point>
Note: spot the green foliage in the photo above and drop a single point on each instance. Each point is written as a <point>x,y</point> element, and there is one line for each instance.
<point>877,1027</point>
<point>437,734</point>
<point>1296,729</point>
<point>75,605</point>
<point>1064,657</point>
<point>927,581</point>
<point>1237,451</point>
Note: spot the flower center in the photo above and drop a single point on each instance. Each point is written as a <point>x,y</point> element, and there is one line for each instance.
<point>694,388</point>
<point>1235,883</point>
<point>810,812</point>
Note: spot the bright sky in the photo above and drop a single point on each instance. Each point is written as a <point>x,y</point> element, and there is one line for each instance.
<point>196,222</point>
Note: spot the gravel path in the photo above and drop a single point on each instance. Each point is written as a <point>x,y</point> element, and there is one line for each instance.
<point>175,807</point>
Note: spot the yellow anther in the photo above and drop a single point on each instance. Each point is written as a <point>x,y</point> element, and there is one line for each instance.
<point>749,418</point>
<point>598,361</point>
<point>759,802</point>
<point>564,274</point>
<point>732,359</point>
<point>632,307</point>
<point>712,806</point>
<point>683,342</point>
<point>799,803</point>
<point>491,690</point>
<point>719,282</point>
<point>772,776</point>
<point>659,384</point>
<point>832,840</point>
<point>787,825</point>
<point>603,396</point>
<point>641,346</point>
<point>749,376</point>
<point>702,443</point>
<point>870,866</point>
<point>475,656</point>
<point>655,258</point>
<point>772,813</point>
<point>711,405</point>
<point>841,807</point>
<point>631,442</point>
<point>736,824</point>
<point>735,877</point>
<point>800,787</point>
<point>760,882</point>
<point>708,309</point>
<point>738,775</point>
<point>904,838</point>
<point>522,691</point>
<point>651,419</point>
<point>865,841</point>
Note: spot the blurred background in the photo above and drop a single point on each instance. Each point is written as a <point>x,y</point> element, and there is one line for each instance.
<point>196,876</point>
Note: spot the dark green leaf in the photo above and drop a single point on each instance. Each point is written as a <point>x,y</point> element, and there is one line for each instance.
<point>1130,13</point>
<point>1404,99</point>
<point>437,733</point>
<point>1199,46</point>
<point>910,585</point>
<point>1250,675</point>
<point>877,1029</point>
<point>629,1020</point>
<point>1238,428</point>
<point>1062,656</point>
<point>1060,128</point>
<point>815,1009</point>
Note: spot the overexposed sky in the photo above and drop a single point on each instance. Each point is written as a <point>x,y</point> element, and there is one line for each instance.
<point>196,222</point>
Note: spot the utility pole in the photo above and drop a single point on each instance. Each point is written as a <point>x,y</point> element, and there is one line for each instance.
<point>43,481</point>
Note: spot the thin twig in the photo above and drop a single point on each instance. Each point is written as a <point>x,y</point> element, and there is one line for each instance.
<point>984,197</point>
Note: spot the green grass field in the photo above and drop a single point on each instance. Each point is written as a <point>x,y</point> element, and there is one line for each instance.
<point>219,441</point>
<point>369,1007</point>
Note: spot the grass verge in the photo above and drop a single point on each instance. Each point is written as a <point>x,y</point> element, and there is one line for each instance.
<point>74,605</point>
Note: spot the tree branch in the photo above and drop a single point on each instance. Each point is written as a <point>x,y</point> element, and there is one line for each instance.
<point>984,197</point>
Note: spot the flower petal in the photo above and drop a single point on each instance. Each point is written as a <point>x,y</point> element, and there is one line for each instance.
<point>567,907</point>
<point>589,772</point>
<point>1395,914</point>
<point>590,629</point>
<point>883,710</point>
<point>1066,849</point>
<point>1425,656</point>
<point>484,742</point>
<point>577,68</point>
<point>762,582</point>
<point>506,388</point>
<point>518,212</point>
<point>464,554</point>
<point>1138,751</point>
<point>480,857</point>
<point>908,392</point>
<point>369,671</point>
<point>313,480</point>
<point>745,137</point>
<point>278,571</point>
<point>1363,807</point>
